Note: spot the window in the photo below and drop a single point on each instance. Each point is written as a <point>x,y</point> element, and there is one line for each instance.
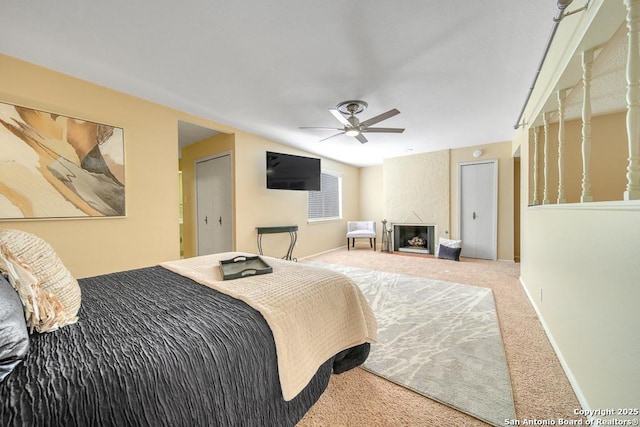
<point>326,204</point>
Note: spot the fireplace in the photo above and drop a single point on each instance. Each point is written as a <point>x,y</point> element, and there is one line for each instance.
<point>414,238</point>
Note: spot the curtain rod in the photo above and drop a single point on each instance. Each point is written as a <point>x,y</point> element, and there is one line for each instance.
<point>562,6</point>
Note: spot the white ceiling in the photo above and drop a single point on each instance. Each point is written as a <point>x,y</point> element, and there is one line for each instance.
<point>458,70</point>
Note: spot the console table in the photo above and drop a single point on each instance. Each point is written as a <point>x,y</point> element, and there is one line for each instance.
<point>293,234</point>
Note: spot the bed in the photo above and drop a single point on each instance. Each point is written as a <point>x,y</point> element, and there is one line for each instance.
<point>154,347</point>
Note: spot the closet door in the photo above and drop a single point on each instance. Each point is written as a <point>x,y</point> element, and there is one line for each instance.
<point>478,209</point>
<point>214,209</point>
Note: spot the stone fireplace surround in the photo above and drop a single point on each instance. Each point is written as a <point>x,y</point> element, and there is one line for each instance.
<point>403,233</point>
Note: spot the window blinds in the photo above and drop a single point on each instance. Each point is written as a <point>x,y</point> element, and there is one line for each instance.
<point>325,204</point>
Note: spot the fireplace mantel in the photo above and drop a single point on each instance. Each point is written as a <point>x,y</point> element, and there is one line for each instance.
<point>414,238</point>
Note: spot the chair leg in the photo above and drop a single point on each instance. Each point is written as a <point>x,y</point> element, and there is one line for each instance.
<point>370,242</point>
<point>353,242</point>
<point>374,244</point>
<point>347,243</point>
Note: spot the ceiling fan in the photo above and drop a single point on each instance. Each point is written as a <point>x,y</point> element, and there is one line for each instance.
<point>346,112</point>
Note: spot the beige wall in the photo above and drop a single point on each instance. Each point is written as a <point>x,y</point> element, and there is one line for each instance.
<point>257,206</point>
<point>580,269</point>
<point>372,197</point>
<point>416,190</point>
<point>149,232</point>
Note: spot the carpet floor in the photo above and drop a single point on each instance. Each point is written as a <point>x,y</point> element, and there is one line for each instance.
<point>541,390</point>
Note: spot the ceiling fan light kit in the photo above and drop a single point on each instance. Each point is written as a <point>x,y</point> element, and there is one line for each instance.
<point>345,112</point>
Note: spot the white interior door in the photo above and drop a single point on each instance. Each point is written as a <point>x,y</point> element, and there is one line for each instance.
<point>478,213</point>
<point>213,205</point>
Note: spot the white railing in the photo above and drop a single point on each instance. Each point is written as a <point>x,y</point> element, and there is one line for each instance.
<point>633,101</point>
<point>587,62</point>
<point>632,190</point>
<point>545,168</point>
<point>562,95</point>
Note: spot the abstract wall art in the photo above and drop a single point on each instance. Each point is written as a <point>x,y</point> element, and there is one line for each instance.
<point>52,166</point>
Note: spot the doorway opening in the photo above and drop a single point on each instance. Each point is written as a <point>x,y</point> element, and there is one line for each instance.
<point>192,139</point>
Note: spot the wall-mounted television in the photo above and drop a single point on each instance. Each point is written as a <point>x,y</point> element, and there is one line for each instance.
<point>290,172</point>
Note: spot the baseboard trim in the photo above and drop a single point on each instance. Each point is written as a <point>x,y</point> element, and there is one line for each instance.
<point>565,366</point>
<point>324,252</point>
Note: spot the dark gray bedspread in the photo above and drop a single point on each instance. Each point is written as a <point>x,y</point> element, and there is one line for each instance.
<point>154,348</point>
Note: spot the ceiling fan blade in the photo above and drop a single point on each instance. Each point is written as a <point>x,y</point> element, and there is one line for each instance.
<point>338,115</point>
<point>318,127</point>
<point>380,117</point>
<point>329,137</point>
<point>390,130</point>
<point>360,137</point>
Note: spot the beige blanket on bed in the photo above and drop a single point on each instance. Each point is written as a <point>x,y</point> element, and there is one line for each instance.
<point>313,313</point>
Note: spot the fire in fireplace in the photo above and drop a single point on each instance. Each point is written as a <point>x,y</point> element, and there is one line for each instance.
<point>415,238</point>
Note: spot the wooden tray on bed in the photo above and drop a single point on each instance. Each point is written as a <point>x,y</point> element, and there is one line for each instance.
<point>243,266</point>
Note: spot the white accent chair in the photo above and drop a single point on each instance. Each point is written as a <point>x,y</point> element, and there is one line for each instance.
<point>361,230</point>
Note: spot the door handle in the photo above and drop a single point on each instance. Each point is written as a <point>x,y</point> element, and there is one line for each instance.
<point>220,220</point>
<point>206,220</point>
<point>474,215</point>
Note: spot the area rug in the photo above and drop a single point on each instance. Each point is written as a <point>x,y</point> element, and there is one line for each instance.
<point>439,339</point>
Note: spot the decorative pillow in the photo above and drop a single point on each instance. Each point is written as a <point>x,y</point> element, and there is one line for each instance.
<point>450,243</point>
<point>49,293</point>
<point>14,338</point>
<point>445,252</point>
